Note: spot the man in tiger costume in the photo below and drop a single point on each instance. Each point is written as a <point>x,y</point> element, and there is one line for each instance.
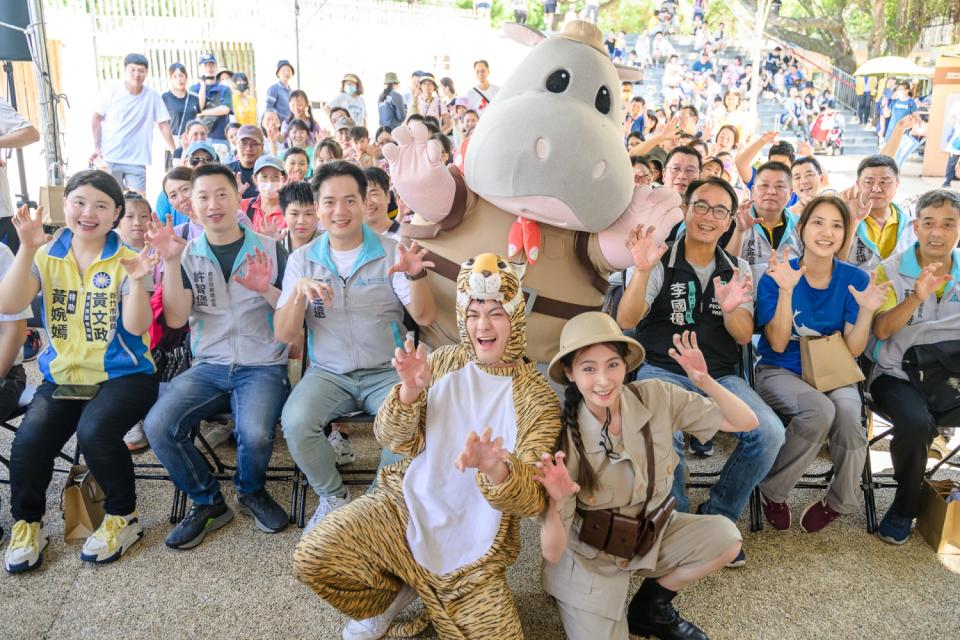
<point>444,523</point>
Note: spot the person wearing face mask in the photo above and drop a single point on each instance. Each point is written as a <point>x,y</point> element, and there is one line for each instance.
<point>408,538</point>
<point>244,103</point>
<point>815,294</point>
<point>264,210</point>
<point>351,99</point>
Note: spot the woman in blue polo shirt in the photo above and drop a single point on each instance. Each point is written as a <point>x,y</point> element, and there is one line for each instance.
<point>814,295</point>
<point>98,376</point>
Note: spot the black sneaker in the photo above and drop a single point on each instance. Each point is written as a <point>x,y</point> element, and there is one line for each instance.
<point>268,515</point>
<point>701,449</point>
<point>199,521</point>
<point>32,346</point>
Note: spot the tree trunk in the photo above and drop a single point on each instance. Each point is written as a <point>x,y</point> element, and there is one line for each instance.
<point>878,45</point>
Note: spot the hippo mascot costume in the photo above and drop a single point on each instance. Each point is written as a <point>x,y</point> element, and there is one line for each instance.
<point>547,176</point>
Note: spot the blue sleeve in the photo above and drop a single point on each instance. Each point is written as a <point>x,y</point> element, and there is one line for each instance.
<point>859,279</point>
<point>228,98</point>
<point>767,295</point>
<point>163,208</point>
<point>753,177</point>
<point>272,97</point>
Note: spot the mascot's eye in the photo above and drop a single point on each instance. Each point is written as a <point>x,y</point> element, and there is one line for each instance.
<point>501,264</point>
<point>603,101</point>
<point>558,81</point>
<point>470,262</point>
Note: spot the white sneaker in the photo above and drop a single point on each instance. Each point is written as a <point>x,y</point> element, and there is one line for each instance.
<point>326,505</point>
<point>136,439</point>
<point>115,535</point>
<point>376,627</point>
<point>215,433</point>
<point>341,448</point>
<point>25,550</point>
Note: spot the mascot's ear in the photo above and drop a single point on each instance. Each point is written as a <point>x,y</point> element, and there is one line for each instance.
<point>527,36</point>
<point>633,74</point>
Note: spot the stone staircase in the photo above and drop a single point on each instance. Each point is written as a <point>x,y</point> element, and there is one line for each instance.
<point>858,139</point>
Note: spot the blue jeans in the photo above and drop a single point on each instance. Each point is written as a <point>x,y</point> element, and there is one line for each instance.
<point>751,459</point>
<point>255,397</point>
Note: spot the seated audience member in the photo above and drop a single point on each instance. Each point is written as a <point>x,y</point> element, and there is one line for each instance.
<point>881,227</point>
<point>922,307</point>
<point>225,283</point>
<point>352,286</point>
<point>133,225</point>
<point>300,213</point>
<point>298,135</point>
<point>815,294</point>
<point>377,211</point>
<point>600,431</point>
<point>13,379</point>
<point>96,305</point>
<point>327,150</point>
<point>296,164</point>
<point>193,131</point>
<point>360,143</point>
<point>808,180</point>
<point>176,178</point>
<point>695,284</point>
<point>767,225</point>
<point>250,144</point>
<point>264,210</point>
<point>781,152</point>
<point>231,131</point>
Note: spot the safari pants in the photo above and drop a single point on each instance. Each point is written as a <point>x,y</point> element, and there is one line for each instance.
<point>357,559</point>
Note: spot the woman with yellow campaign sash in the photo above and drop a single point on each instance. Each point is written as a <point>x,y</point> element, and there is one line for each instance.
<point>98,376</point>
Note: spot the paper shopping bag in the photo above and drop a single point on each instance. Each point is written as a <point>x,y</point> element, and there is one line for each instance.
<point>939,520</point>
<point>826,363</point>
<point>82,504</point>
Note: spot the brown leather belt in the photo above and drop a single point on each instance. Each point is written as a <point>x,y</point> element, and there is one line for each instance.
<point>535,302</point>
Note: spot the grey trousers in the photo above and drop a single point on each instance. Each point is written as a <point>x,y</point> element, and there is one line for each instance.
<point>815,418</point>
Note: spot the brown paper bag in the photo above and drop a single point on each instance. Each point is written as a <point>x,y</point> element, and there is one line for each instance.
<point>939,520</point>
<point>82,504</point>
<point>826,362</point>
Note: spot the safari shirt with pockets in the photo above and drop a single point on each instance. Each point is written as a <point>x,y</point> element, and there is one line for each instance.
<point>935,320</point>
<point>594,580</point>
<point>229,323</point>
<point>83,315</point>
<point>353,332</point>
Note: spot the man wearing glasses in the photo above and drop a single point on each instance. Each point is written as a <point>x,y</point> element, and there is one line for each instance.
<point>250,146</point>
<point>764,223</point>
<point>690,285</point>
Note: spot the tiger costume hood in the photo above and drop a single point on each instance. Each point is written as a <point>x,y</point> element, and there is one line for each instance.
<point>489,277</point>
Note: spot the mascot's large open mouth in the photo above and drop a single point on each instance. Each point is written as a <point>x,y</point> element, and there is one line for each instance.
<point>545,209</point>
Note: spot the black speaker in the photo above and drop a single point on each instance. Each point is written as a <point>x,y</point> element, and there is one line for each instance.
<point>13,44</point>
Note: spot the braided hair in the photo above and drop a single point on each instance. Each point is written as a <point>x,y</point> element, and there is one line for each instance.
<point>570,420</point>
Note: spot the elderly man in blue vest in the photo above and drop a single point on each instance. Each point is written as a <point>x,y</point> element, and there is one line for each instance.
<point>351,286</point>
<point>923,307</point>
<point>225,283</point>
<point>695,285</point>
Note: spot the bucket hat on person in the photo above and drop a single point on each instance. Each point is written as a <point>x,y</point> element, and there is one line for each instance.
<point>284,63</point>
<point>391,78</point>
<point>588,329</point>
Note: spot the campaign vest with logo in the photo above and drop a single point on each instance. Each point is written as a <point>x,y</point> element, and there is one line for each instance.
<point>354,331</point>
<point>230,324</point>
<point>756,247</point>
<point>681,305</point>
<point>863,251</point>
<point>932,322</point>
<point>83,316</point>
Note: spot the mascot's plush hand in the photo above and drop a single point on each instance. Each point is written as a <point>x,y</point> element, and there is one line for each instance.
<point>418,173</point>
<point>658,207</point>
<point>524,236</point>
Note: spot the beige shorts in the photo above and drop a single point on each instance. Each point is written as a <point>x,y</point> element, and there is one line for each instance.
<point>688,540</point>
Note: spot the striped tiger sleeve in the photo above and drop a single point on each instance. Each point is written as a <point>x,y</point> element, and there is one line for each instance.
<point>400,427</point>
<point>538,426</point>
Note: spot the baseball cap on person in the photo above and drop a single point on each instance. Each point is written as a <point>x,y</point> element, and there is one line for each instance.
<point>268,161</point>
<point>284,63</point>
<point>203,146</point>
<point>207,58</point>
<point>136,58</point>
<point>343,123</point>
<point>250,131</point>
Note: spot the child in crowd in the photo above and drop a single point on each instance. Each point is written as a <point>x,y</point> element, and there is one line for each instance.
<point>296,163</point>
<point>264,210</point>
<point>133,225</point>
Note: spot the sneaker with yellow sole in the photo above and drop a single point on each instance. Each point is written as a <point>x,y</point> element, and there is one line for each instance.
<point>114,537</point>
<point>25,550</point>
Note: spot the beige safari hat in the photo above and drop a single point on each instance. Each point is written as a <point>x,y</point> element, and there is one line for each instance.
<point>586,329</point>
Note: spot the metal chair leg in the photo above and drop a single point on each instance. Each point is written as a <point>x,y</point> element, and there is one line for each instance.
<point>302,510</point>
<point>869,496</point>
<point>756,511</point>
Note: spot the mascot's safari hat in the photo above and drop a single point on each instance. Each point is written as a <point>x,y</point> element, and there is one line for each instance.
<point>585,33</point>
<point>587,329</point>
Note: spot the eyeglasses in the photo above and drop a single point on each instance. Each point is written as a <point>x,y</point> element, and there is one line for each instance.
<point>702,207</point>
